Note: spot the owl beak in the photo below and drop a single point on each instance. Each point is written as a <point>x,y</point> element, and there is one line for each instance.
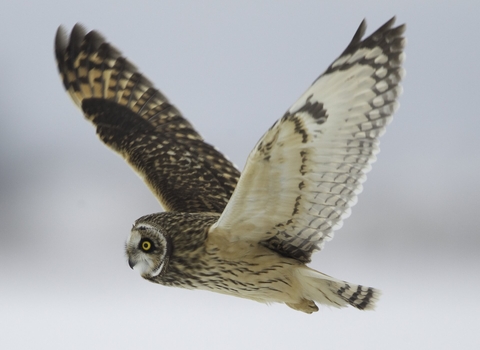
<point>131,263</point>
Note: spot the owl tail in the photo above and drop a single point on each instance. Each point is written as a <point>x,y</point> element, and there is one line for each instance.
<point>330,291</point>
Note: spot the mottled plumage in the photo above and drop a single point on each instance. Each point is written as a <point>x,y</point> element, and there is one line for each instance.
<point>137,121</point>
<point>250,235</point>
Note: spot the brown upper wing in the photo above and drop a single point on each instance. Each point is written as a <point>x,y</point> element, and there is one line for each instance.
<point>137,121</point>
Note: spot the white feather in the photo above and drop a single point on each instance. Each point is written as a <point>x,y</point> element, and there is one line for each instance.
<point>305,174</point>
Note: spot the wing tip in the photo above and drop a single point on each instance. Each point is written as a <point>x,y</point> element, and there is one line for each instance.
<point>357,37</point>
<point>92,45</point>
<point>72,41</point>
<point>61,39</point>
<point>363,27</point>
<point>387,27</point>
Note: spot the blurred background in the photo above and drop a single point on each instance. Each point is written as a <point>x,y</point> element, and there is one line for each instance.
<point>67,202</point>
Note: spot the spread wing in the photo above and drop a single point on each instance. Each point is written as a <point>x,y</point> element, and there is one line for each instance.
<point>305,173</point>
<point>137,121</point>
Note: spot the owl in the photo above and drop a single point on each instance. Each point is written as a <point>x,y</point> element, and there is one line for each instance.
<point>248,234</point>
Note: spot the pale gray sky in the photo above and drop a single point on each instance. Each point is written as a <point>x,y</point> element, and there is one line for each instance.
<point>67,202</point>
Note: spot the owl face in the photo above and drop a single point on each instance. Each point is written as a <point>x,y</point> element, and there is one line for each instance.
<point>147,249</point>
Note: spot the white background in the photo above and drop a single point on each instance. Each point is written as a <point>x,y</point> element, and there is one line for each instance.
<point>67,202</point>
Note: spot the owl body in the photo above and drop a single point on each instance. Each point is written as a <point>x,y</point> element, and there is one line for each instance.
<point>212,262</point>
<point>195,258</point>
<point>246,234</point>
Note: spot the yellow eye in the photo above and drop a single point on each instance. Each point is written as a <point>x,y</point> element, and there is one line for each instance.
<point>146,246</point>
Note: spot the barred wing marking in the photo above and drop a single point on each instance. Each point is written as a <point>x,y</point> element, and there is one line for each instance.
<point>135,120</point>
<point>304,175</point>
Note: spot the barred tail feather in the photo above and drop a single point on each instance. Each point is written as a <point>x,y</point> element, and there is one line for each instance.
<point>327,290</point>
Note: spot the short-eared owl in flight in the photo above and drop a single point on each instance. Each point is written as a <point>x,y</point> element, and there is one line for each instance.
<point>249,235</point>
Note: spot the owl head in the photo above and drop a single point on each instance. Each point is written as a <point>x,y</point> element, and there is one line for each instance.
<point>148,249</point>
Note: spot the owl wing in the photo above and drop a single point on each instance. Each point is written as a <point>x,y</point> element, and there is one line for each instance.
<point>305,173</point>
<point>137,121</point>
